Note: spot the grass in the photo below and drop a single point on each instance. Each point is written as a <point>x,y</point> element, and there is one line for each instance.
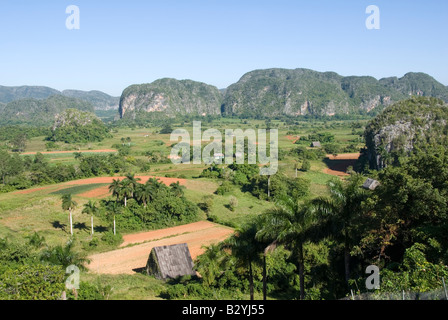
<point>127,287</point>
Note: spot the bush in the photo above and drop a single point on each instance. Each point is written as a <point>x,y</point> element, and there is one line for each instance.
<point>224,188</point>
<point>306,166</point>
<point>233,203</point>
<point>112,239</point>
<point>32,282</point>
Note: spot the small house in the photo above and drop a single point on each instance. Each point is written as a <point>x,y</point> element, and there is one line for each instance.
<point>219,156</point>
<point>370,184</point>
<point>316,144</point>
<point>170,262</point>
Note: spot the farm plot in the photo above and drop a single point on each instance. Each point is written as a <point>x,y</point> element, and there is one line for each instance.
<point>133,257</point>
<point>337,165</point>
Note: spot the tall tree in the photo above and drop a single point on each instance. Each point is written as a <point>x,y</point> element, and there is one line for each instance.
<point>126,190</point>
<point>247,249</point>
<point>177,189</point>
<point>145,193</point>
<point>288,223</point>
<point>342,213</point>
<point>115,188</point>
<point>209,264</point>
<point>90,208</point>
<point>113,209</point>
<point>69,204</point>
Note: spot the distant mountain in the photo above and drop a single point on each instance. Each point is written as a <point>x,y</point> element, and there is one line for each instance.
<point>9,94</point>
<point>303,91</point>
<point>275,92</point>
<point>171,96</point>
<point>100,100</point>
<point>39,112</point>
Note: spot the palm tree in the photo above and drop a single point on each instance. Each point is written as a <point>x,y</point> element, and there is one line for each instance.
<point>145,193</point>
<point>177,189</point>
<point>65,256</point>
<point>115,187</point>
<point>341,213</point>
<point>69,204</point>
<point>133,181</point>
<point>288,223</point>
<point>209,263</point>
<point>247,249</point>
<point>126,190</point>
<point>90,208</point>
<point>113,208</point>
<point>296,166</point>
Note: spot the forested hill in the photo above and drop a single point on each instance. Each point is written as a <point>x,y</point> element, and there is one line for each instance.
<point>100,100</point>
<point>416,123</point>
<point>171,97</point>
<point>9,94</point>
<point>274,92</point>
<point>39,112</point>
<point>303,91</point>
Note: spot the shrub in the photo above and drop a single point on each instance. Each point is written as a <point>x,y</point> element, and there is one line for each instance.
<point>112,239</point>
<point>233,203</point>
<point>224,188</point>
<point>306,166</point>
<point>32,282</point>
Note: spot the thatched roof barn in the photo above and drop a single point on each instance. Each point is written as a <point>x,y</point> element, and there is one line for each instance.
<point>170,262</point>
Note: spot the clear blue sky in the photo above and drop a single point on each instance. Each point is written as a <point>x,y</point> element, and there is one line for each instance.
<point>215,41</point>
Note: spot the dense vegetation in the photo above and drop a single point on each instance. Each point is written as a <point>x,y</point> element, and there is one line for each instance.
<point>18,172</point>
<point>327,242</point>
<point>39,113</point>
<point>75,126</point>
<point>419,122</point>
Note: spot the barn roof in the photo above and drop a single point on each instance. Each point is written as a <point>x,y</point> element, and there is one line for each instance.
<point>316,144</point>
<point>370,184</point>
<point>170,261</point>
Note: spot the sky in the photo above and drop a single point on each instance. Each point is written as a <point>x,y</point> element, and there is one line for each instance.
<point>120,43</point>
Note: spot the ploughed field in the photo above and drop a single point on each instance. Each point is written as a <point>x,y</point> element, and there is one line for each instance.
<point>135,250</point>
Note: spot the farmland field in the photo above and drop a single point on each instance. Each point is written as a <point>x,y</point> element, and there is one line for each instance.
<point>38,209</point>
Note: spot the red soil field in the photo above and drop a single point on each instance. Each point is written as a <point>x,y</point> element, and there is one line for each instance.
<point>293,139</point>
<point>337,166</point>
<point>101,191</point>
<point>129,259</point>
<point>82,151</point>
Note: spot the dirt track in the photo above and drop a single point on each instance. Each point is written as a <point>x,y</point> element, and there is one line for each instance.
<point>127,260</point>
<point>82,151</point>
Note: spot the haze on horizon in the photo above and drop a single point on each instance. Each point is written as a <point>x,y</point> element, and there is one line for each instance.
<point>120,43</point>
